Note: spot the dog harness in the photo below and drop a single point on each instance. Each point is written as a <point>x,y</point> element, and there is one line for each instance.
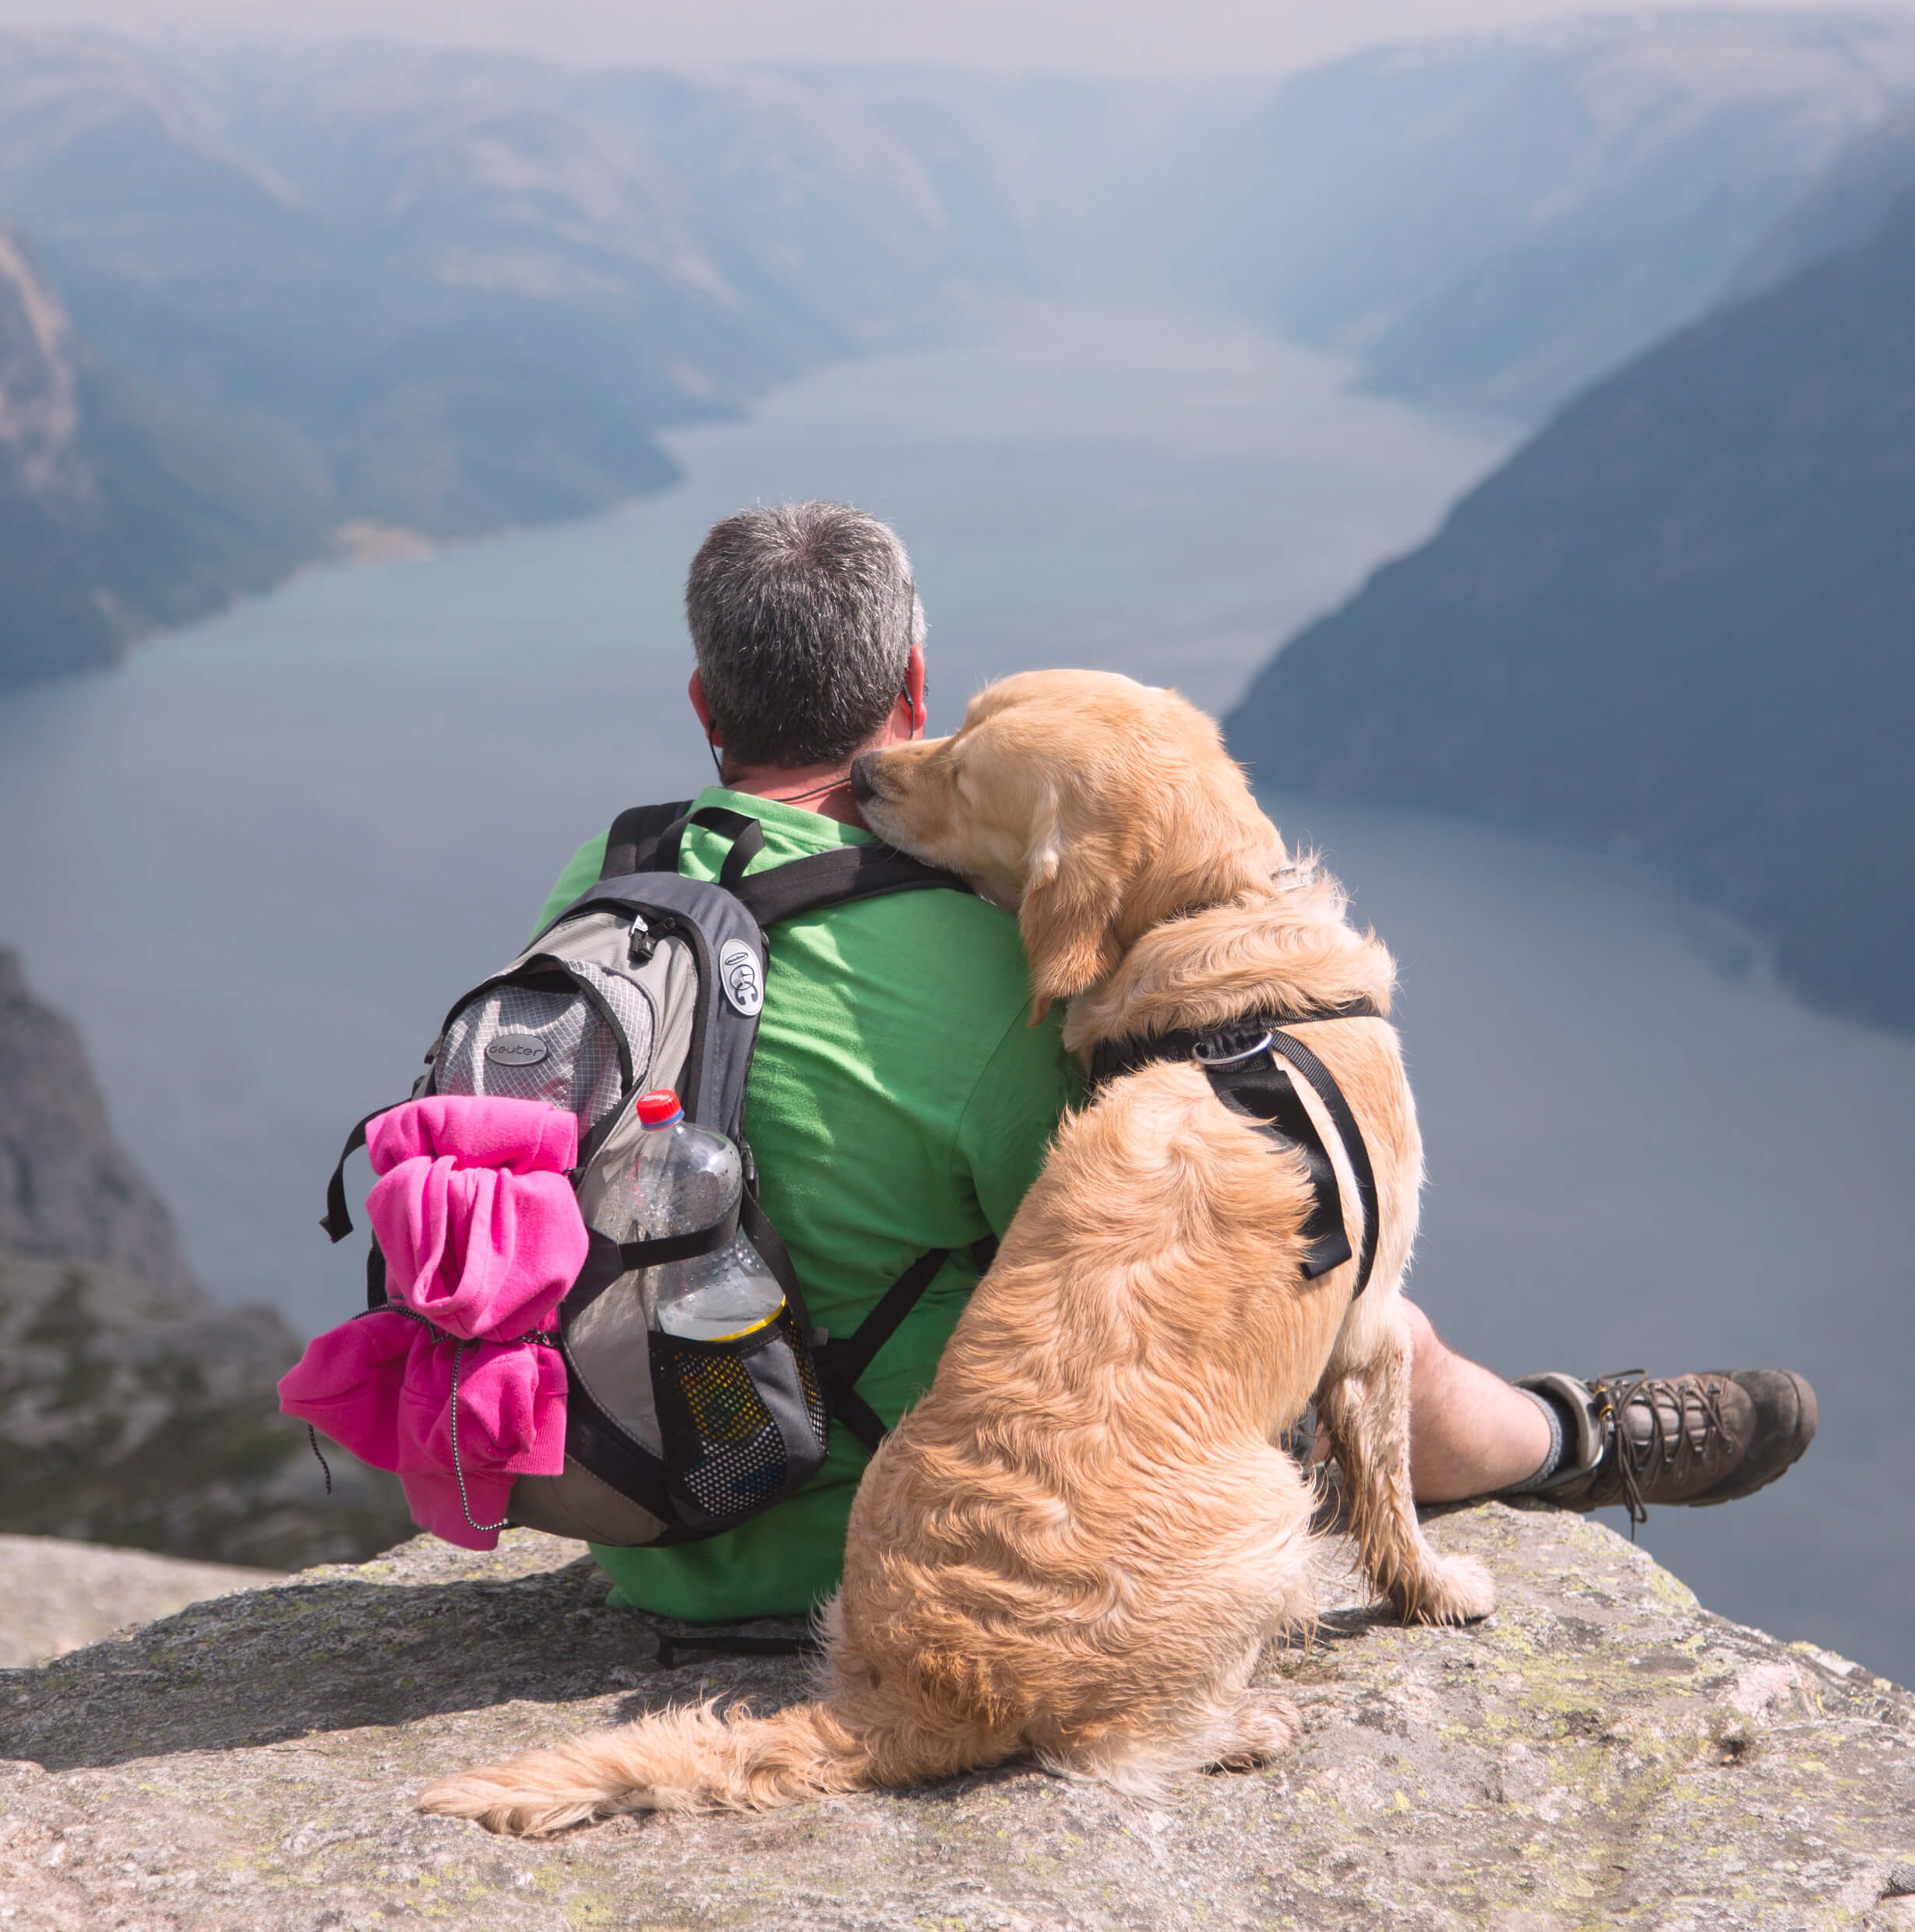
<point>1242,1059</point>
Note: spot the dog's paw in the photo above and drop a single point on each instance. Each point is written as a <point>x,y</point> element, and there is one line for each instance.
<point>1266,1726</point>
<point>1451,1590</point>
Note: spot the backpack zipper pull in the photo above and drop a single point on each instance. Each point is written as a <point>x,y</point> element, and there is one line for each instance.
<point>643,945</point>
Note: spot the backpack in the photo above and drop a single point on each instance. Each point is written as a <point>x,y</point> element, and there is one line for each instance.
<point>648,979</point>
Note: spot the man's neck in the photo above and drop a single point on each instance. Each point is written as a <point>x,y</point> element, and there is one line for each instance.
<point>825,789</point>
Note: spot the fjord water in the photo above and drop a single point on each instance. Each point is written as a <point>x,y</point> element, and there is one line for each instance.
<point>257,864</point>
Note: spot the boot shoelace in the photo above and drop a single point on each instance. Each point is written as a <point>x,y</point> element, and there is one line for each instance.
<point>1661,1448</point>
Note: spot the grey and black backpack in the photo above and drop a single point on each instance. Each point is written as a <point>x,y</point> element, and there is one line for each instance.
<point>650,979</point>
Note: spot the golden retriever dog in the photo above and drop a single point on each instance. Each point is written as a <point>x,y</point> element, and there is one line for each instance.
<point>1076,1544</point>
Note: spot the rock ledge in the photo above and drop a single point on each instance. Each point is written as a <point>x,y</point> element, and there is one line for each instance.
<point>1603,1752</point>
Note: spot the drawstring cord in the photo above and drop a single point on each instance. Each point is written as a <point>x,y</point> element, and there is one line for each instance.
<point>465,1502</point>
<point>547,1338</point>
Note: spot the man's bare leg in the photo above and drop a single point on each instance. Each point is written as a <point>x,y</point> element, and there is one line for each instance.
<point>1634,1440</point>
<point>1470,1432</point>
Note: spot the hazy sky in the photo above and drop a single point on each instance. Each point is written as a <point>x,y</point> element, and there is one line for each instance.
<point>1104,36</point>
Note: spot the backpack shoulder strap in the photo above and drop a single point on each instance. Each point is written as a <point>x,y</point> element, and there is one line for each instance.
<point>633,841</point>
<point>836,878</point>
<point>811,884</point>
<point>646,838</point>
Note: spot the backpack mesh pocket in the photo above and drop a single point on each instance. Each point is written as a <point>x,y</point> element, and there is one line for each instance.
<point>743,1421</point>
<point>524,1042</point>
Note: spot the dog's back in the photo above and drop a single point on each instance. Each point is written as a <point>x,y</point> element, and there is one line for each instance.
<point>1081,1538</point>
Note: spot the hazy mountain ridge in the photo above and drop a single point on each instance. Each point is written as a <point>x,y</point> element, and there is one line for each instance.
<point>1677,619</point>
<point>453,292</point>
<point>1845,207</point>
<point>1490,221</point>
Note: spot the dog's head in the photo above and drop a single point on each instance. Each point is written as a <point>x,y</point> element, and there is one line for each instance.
<point>1092,806</point>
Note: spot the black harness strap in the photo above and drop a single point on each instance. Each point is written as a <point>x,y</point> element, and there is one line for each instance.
<point>1240,1059</point>
<point>1319,1076</point>
<point>1263,1094</point>
<point>1221,1042</point>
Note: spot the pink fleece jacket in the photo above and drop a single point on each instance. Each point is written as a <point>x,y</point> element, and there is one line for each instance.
<point>482,1236</point>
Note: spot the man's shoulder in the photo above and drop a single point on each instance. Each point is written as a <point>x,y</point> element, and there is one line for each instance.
<point>949,933</point>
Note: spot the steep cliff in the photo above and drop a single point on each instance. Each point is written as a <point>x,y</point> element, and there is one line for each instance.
<point>118,513</point>
<point>68,1191</point>
<point>1603,1752</point>
<point>133,1411</point>
<point>1678,621</point>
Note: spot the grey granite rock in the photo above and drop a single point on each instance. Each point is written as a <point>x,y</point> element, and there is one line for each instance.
<point>132,1410</point>
<point>57,1596</point>
<point>1603,1752</point>
<point>69,1190</point>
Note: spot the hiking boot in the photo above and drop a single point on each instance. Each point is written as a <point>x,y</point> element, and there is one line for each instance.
<point>1688,1438</point>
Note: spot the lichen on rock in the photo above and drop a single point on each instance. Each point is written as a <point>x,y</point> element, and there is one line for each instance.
<point>1602,1752</point>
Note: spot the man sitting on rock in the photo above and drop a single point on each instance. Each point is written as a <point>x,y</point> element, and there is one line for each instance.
<point>900,1102</point>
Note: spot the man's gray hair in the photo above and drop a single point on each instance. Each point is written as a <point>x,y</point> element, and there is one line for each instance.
<point>803,618</point>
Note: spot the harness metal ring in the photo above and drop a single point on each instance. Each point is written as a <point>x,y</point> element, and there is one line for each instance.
<point>1214,1060</point>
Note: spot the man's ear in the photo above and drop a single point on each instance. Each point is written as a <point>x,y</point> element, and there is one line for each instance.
<point>914,690</point>
<point>1067,913</point>
<point>700,704</point>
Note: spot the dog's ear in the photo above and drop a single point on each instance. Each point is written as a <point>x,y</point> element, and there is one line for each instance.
<point>1067,913</point>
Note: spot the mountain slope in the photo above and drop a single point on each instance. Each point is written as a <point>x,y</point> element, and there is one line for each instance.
<point>369,283</point>
<point>118,512</point>
<point>1680,619</point>
<point>446,291</point>
<point>278,230</point>
<point>1845,207</point>
<point>1489,222</point>
<point>132,1410</point>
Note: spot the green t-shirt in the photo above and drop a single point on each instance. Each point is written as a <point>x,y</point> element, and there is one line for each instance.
<point>898,1100</point>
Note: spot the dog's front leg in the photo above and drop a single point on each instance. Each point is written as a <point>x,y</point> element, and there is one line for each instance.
<point>1364,1402</point>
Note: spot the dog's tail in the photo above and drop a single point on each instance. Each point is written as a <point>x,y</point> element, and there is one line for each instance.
<point>687,1760</point>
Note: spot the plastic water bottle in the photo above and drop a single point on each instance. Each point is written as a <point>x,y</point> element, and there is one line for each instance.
<point>682,1178</point>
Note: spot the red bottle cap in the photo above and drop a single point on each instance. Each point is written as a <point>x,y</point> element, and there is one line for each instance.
<point>660,1108</point>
